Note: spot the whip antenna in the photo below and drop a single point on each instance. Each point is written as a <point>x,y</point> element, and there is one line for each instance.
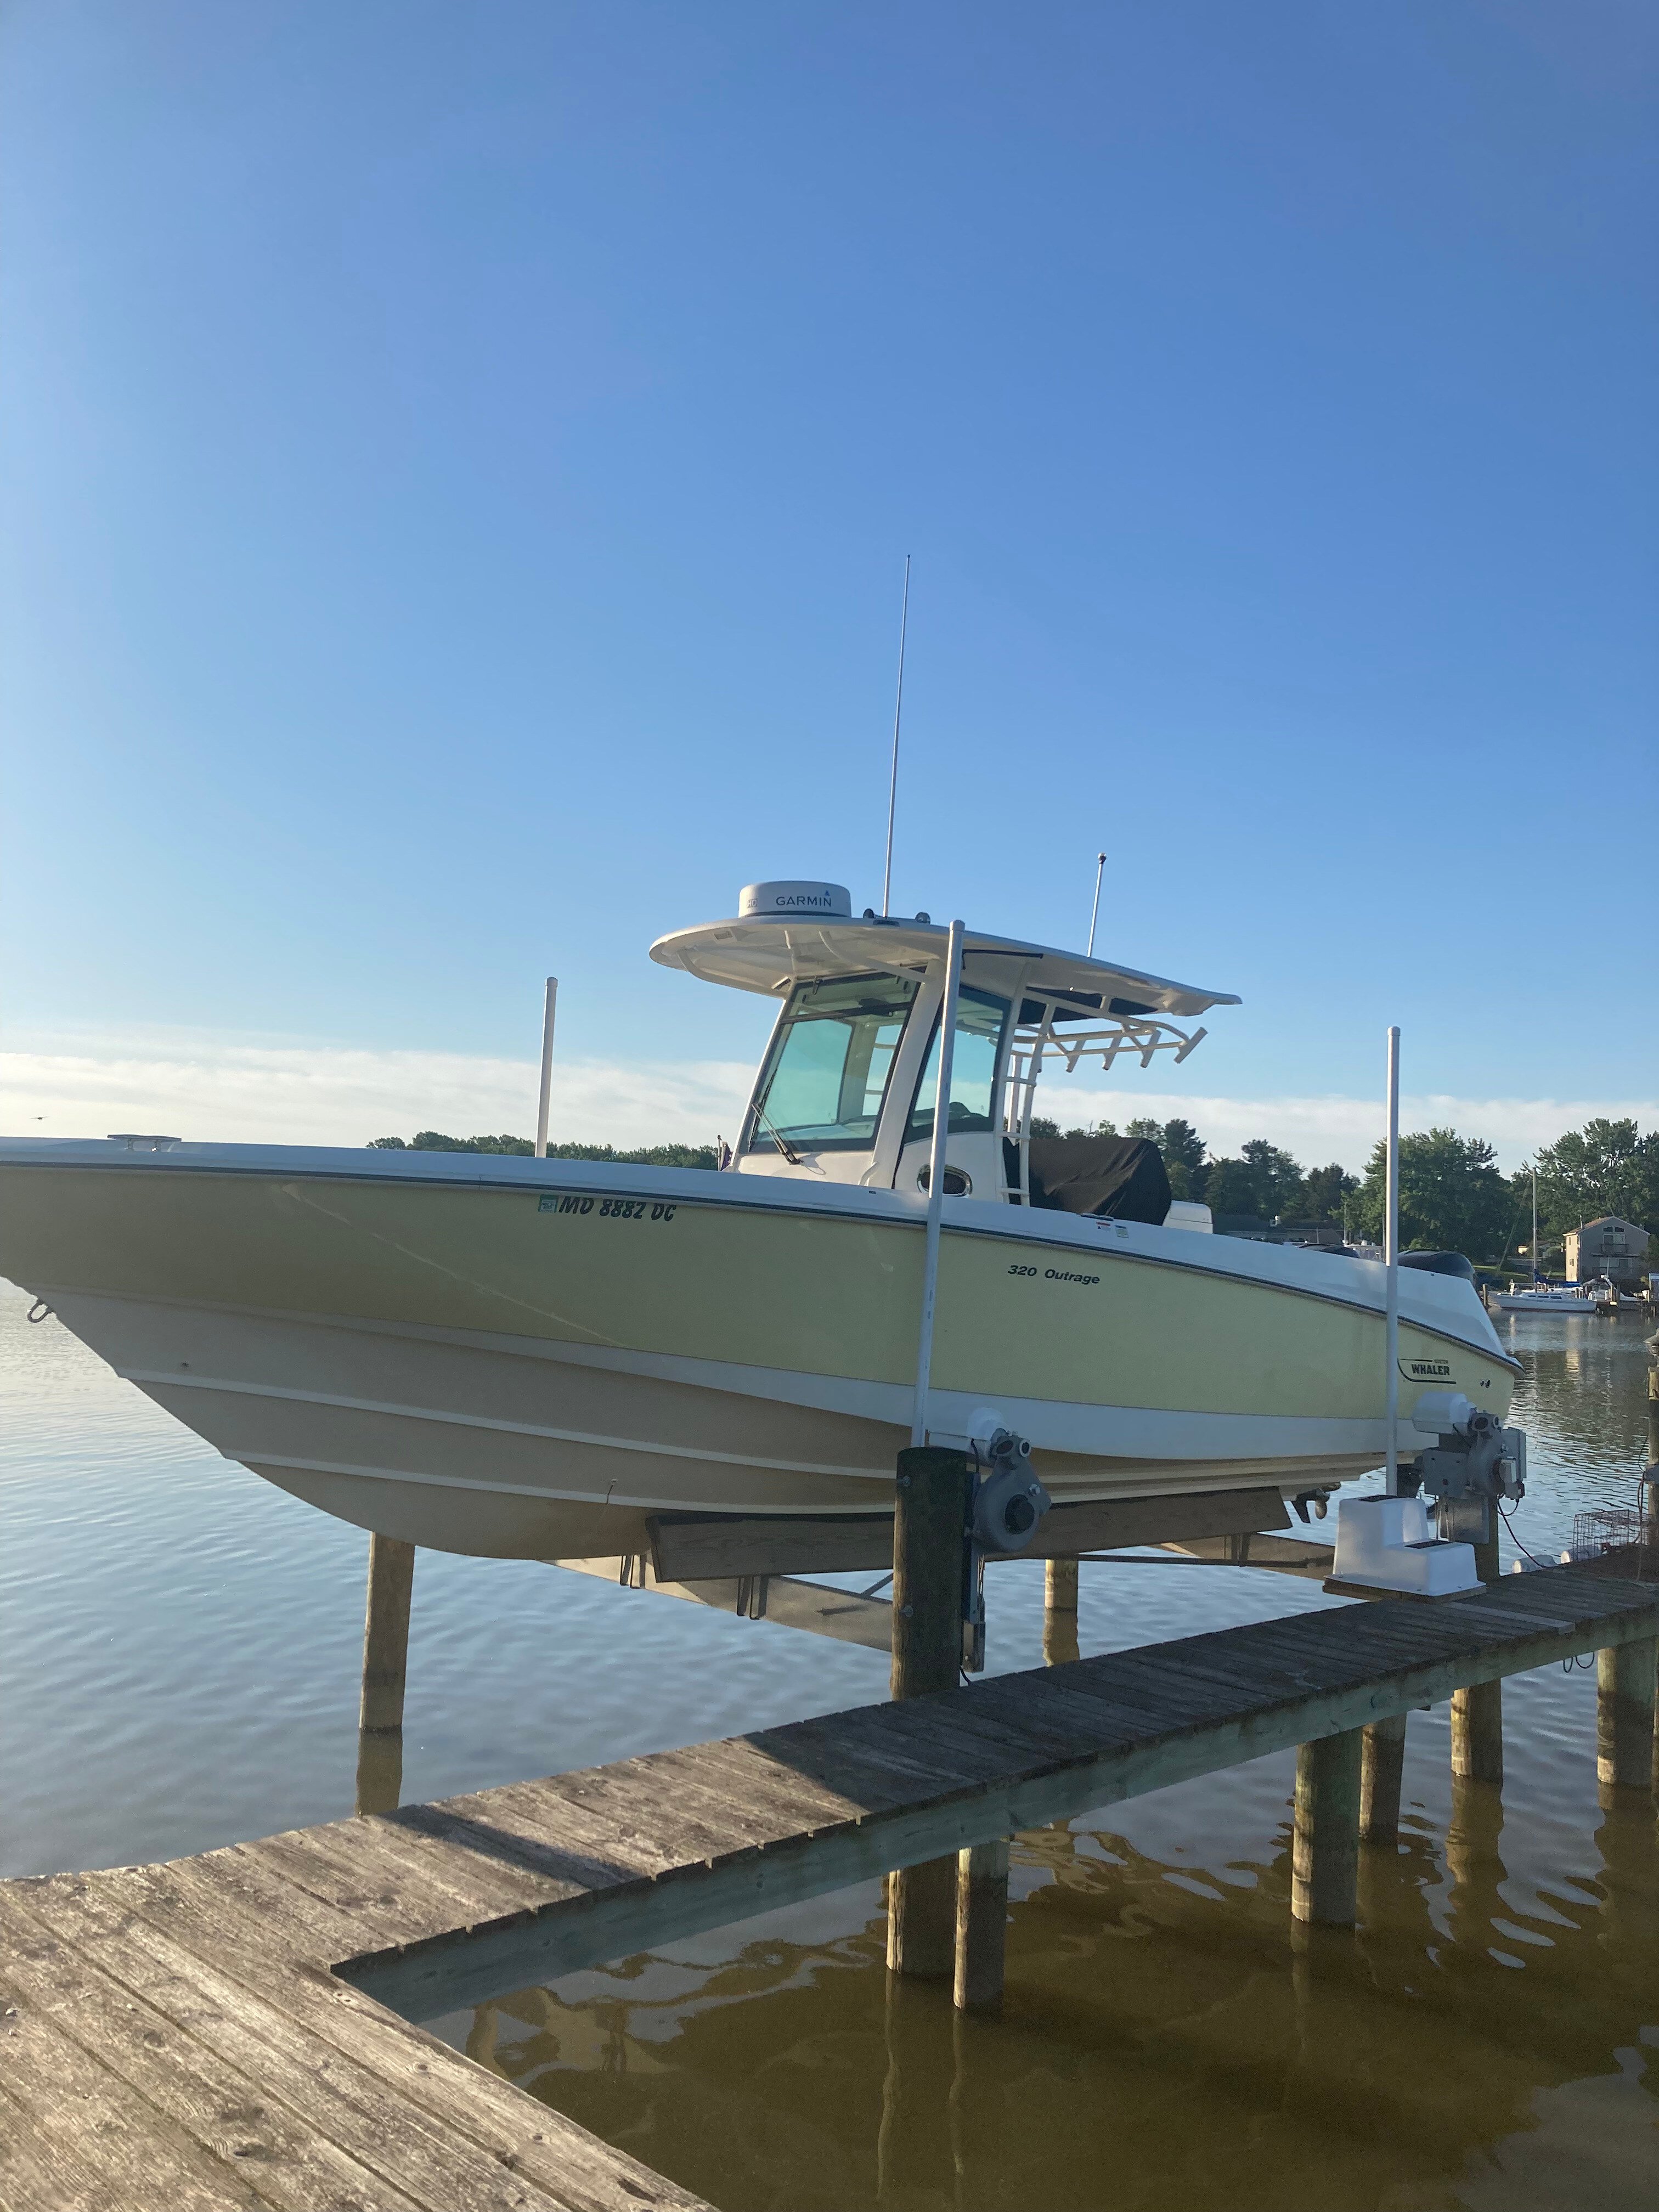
<point>1094,916</point>
<point>898,709</point>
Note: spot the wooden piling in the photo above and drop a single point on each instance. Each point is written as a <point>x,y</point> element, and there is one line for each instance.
<point>1381,1767</point>
<point>982,1926</point>
<point>929,1537</point>
<point>1624,1754</point>
<point>1325,1848</point>
<point>1485,1551</point>
<point>1060,1642</point>
<point>1477,1733</point>
<point>386,1663</point>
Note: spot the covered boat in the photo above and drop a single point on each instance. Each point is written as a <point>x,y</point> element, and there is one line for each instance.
<point>548,1358</point>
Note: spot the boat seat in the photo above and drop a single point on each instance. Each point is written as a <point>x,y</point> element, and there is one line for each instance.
<point>1121,1177</point>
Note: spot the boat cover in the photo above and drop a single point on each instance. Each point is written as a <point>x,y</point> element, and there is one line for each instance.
<point>1440,1263</point>
<point>1123,1177</point>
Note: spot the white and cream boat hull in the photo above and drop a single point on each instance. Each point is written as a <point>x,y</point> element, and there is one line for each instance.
<point>529,1358</point>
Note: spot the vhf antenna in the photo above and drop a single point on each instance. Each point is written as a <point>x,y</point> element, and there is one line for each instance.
<point>1100,870</point>
<point>898,709</point>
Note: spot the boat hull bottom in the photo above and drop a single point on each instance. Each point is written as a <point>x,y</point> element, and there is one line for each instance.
<point>494,1525</point>
<point>523,1448</point>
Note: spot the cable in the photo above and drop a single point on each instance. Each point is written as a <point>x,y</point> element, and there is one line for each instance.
<point>1508,1520</point>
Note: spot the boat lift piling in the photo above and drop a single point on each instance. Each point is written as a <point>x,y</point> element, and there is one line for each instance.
<point>1059,1588</point>
<point>1391,1265</point>
<point>930,1547</point>
<point>930,1516</point>
<point>544,1095</point>
<point>386,1667</point>
<point>1381,1774</point>
<point>1626,1751</point>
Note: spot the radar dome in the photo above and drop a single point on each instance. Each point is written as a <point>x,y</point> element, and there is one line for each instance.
<point>782,900</point>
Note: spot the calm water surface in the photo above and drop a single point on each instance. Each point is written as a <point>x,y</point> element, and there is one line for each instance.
<point>178,1649</point>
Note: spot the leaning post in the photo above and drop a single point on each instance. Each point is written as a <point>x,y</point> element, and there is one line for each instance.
<point>1325,1844</point>
<point>929,1524</point>
<point>386,1663</point>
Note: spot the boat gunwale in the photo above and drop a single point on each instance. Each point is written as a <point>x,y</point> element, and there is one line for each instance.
<point>854,1202</point>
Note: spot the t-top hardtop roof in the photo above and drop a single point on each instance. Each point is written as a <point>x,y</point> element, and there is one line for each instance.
<point>771,954</point>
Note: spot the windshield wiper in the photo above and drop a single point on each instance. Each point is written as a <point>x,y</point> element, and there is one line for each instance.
<point>779,1139</point>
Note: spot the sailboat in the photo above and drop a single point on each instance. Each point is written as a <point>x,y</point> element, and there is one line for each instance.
<point>548,1358</point>
<point>1542,1297</point>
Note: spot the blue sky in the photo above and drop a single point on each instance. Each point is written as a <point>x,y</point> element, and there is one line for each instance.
<point>458,461</point>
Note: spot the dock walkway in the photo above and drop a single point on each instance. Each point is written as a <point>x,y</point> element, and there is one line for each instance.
<point>235,2029</point>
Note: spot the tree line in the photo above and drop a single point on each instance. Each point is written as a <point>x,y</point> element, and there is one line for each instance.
<point>644,1156</point>
<point>1453,1195</point>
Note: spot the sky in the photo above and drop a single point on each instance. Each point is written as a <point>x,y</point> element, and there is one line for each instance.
<point>456,463</point>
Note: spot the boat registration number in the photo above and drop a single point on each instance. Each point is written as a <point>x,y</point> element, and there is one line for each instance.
<point>609,1209</point>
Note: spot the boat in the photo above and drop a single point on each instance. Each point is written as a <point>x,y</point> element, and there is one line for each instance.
<point>547,1359</point>
<point>1542,1297</point>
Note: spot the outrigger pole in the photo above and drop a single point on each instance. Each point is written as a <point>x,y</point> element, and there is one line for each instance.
<point>898,709</point>
<point>947,1036</point>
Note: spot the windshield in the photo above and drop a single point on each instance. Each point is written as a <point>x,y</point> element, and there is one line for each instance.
<point>980,1018</point>
<point>827,1074</point>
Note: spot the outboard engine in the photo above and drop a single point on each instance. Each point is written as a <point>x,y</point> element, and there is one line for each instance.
<point>1477,1462</point>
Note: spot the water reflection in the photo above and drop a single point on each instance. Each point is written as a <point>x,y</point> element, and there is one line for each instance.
<point>1159,2046</point>
<point>182,1650</point>
<point>1168,2039</point>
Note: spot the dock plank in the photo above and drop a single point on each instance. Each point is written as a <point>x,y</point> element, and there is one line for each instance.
<point>405,2159</point>
<point>84,2138</point>
<point>516,2130</point>
<point>218,2032</point>
<point>219,2109</point>
<point>551,1835</point>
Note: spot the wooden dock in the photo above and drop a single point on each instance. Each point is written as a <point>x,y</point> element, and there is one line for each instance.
<point>235,2029</point>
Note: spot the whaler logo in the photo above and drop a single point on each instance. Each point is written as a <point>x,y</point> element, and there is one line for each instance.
<point>1427,1370</point>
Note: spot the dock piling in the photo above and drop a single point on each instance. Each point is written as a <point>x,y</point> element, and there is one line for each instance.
<point>1477,1733</point>
<point>1325,1846</point>
<point>929,1524</point>
<point>982,1926</point>
<point>1060,1642</point>
<point>386,1663</point>
<point>1624,1750</point>
<point>1382,1768</point>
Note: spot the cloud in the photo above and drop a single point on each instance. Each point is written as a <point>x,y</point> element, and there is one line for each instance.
<point>239,1093</point>
<point>283,1093</point>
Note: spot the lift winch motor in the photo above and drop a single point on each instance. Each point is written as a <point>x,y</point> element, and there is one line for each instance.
<point>1007,1504</point>
<point>1476,1462</point>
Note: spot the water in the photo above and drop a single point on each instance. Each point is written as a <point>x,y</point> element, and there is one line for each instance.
<point>179,1648</point>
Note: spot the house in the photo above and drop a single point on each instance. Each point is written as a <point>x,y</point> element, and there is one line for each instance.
<point>1609,1247</point>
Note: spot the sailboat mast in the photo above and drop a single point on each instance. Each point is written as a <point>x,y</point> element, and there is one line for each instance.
<point>1535,1276</point>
